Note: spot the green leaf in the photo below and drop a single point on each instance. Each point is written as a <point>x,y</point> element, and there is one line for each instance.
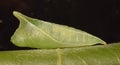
<point>41,34</point>
<point>92,55</point>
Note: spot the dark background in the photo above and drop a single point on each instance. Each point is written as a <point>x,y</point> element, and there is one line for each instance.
<point>98,17</point>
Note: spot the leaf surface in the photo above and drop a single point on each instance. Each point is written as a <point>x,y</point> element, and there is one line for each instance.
<point>41,34</point>
<point>91,55</point>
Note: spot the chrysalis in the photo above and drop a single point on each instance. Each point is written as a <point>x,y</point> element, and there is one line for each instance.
<point>41,34</point>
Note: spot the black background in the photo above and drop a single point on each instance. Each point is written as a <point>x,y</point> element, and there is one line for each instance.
<point>98,17</point>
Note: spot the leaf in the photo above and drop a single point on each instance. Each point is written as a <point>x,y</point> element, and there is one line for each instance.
<point>40,34</point>
<point>92,55</point>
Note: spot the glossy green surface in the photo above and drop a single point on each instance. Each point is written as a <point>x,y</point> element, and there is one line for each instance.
<point>91,55</point>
